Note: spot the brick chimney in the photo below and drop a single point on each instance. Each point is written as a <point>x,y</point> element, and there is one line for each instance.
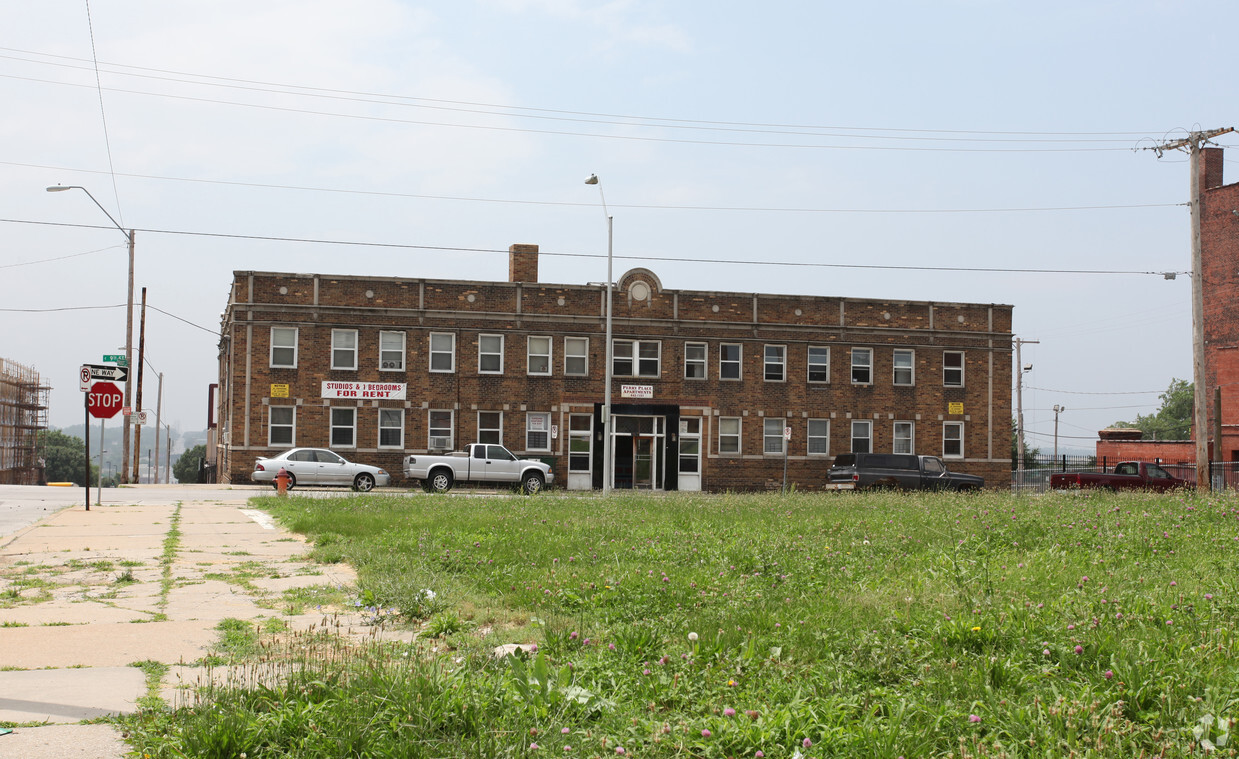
<point>1211,167</point>
<point>522,263</point>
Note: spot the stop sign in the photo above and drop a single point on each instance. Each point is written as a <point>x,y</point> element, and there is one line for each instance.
<point>104,400</point>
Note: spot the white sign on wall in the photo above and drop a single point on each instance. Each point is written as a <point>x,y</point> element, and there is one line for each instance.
<point>372,390</point>
<point>637,391</point>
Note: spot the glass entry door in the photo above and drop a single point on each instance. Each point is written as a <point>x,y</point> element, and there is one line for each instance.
<point>636,451</point>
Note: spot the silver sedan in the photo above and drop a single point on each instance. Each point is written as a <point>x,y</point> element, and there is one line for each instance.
<point>319,466</point>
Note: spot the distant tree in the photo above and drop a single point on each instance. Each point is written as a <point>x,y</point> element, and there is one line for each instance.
<point>1030,453</point>
<point>185,468</point>
<point>64,456</point>
<point>1173,421</point>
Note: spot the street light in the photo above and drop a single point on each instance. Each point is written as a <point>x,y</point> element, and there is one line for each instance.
<point>129,235</point>
<point>606,393</point>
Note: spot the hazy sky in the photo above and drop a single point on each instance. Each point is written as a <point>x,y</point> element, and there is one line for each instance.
<point>826,148</point>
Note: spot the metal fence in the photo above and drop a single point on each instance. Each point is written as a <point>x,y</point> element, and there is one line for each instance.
<point>1035,476</point>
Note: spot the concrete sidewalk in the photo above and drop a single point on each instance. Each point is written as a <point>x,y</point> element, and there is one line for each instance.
<point>86,595</point>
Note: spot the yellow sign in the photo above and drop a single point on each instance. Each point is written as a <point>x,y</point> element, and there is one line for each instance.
<point>279,391</point>
<point>955,408</point>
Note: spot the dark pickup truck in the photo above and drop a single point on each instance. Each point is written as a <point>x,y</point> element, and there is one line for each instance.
<point>1128,475</point>
<point>905,471</point>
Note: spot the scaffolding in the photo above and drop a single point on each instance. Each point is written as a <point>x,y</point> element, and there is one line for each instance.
<point>23,413</point>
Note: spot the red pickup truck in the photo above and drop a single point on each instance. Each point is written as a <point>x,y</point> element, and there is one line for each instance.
<point>1129,475</point>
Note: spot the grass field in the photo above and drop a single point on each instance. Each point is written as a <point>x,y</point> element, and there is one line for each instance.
<point>825,625</point>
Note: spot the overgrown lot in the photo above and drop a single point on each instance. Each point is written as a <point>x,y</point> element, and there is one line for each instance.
<point>751,625</point>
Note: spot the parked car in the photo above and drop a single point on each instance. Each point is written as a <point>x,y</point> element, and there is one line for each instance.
<point>319,466</point>
<point>904,471</point>
<point>1127,475</point>
<point>479,462</point>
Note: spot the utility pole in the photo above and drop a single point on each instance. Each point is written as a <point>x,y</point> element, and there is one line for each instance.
<point>1057,410</point>
<point>1193,143</point>
<point>1019,401</point>
<point>137,428</point>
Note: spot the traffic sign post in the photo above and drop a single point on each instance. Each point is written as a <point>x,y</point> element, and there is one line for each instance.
<point>104,400</point>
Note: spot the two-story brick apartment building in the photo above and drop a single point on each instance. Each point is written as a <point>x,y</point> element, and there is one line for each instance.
<point>705,383</point>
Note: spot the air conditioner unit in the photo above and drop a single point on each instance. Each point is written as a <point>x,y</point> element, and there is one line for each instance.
<point>440,443</point>
<point>391,364</point>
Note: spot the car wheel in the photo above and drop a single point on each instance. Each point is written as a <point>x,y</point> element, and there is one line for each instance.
<point>292,481</point>
<point>440,481</point>
<point>532,483</point>
<point>364,482</point>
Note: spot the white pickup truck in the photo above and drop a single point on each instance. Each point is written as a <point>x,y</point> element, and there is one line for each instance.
<point>479,462</point>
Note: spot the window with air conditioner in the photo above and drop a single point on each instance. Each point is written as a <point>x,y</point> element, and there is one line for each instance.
<point>391,351</point>
<point>442,429</point>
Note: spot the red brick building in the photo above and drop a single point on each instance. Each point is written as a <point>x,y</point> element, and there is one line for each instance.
<point>1219,248</point>
<point>705,383</point>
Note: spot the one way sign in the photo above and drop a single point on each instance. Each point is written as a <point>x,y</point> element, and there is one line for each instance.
<point>105,372</point>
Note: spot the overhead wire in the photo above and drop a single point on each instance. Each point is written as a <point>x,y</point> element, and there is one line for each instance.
<point>671,259</point>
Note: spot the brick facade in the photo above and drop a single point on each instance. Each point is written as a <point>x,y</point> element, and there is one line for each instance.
<point>945,368</point>
<point>1219,246</point>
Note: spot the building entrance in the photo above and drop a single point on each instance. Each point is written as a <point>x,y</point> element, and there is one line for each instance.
<point>637,451</point>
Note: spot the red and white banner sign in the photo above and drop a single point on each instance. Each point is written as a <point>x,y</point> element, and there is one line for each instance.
<point>393,391</point>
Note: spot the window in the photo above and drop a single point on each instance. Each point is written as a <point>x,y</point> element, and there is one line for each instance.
<point>490,354</point>
<point>862,366</point>
<point>391,351</point>
<point>953,368</point>
<point>729,434</point>
<point>281,426</point>
<point>284,347</point>
<point>343,428</point>
<point>776,363</point>
<point>903,366</point>
<point>819,363</point>
<point>391,428</point>
<point>862,437</point>
<point>343,349</point>
<point>772,435</point>
<point>819,437</point>
<point>636,358</point>
<point>538,431</point>
<point>729,361</point>
<point>539,355</point>
<point>903,438</point>
<point>442,430</point>
<point>580,433</point>
<point>695,360</point>
<point>952,440</point>
<point>490,427</point>
<point>576,356</point>
<point>442,352</point>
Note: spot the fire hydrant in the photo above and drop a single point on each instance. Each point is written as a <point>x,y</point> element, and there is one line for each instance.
<point>281,482</point>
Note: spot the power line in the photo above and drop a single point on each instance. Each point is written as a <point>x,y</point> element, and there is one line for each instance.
<point>669,259</point>
<point>104,308</point>
<point>564,133</point>
<point>58,258</point>
<point>631,206</point>
<point>1082,392</point>
<point>509,110</point>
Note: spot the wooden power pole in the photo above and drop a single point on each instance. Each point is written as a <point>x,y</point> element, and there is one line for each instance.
<point>1192,144</point>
